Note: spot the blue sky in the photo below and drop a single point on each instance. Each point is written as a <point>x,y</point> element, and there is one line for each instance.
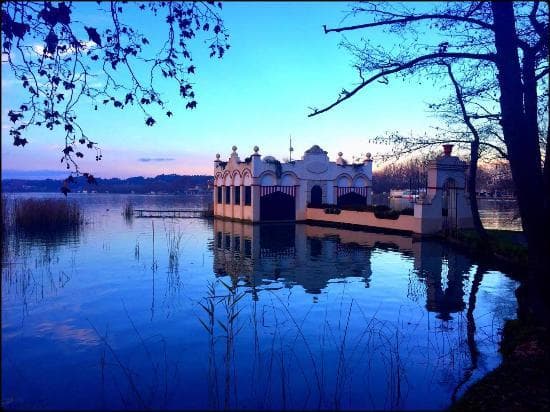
<point>280,63</point>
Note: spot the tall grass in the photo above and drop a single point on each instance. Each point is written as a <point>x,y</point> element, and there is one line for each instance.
<point>6,228</point>
<point>128,211</point>
<point>47,215</point>
<point>173,242</point>
<point>5,216</point>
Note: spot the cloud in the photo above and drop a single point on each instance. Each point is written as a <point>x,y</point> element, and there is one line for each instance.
<point>85,45</point>
<point>156,159</point>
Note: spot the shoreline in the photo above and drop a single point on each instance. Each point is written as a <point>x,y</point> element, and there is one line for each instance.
<point>519,383</point>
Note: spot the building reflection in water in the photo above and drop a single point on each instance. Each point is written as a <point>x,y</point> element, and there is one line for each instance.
<point>275,255</point>
<point>444,273</point>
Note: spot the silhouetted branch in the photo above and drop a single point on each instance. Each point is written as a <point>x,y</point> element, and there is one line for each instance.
<point>404,66</point>
<point>410,19</point>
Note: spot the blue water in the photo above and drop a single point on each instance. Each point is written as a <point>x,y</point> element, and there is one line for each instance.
<point>241,316</point>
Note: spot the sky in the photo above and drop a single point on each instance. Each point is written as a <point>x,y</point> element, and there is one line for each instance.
<point>280,63</point>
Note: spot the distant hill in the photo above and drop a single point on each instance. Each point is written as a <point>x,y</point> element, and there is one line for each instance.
<point>176,184</point>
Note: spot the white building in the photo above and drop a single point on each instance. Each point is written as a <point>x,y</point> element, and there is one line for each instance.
<point>314,189</point>
<point>264,189</point>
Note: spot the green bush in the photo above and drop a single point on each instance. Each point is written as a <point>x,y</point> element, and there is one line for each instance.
<point>332,210</point>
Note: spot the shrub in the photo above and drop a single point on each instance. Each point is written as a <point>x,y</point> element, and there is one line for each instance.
<point>332,210</point>
<point>409,211</point>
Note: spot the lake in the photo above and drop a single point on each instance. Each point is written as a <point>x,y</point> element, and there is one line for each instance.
<point>209,314</point>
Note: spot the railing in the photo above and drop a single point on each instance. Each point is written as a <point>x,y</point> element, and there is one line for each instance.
<point>177,213</point>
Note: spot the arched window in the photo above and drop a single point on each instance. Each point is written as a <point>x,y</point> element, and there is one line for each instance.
<point>247,181</point>
<point>316,196</point>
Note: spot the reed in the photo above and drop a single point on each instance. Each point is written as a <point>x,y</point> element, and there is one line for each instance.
<point>5,215</point>
<point>47,215</point>
<point>173,242</point>
<point>128,211</point>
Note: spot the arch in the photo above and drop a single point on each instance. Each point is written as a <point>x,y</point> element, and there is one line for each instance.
<point>360,181</point>
<point>247,177</point>
<point>289,179</point>
<point>316,196</point>
<point>277,206</point>
<point>219,179</point>
<point>237,179</point>
<point>343,180</point>
<point>227,179</point>
<point>268,179</point>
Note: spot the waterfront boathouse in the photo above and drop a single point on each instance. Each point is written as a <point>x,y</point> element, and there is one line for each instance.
<point>264,189</point>
<point>315,189</point>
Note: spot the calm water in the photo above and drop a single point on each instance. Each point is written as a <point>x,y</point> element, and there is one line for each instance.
<point>241,317</point>
<point>494,213</point>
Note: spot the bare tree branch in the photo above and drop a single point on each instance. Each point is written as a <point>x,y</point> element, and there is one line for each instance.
<point>404,66</point>
<point>410,19</point>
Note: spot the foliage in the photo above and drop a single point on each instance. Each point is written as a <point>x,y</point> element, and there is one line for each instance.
<point>499,50</point>
<point>332,210</point>
<point>380,211</point>
<point>410,174</point>
<point>160,184</point>
<point>500,243</point>
<point>62,61</point>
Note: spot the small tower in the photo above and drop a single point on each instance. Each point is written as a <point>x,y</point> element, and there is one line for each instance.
<point>446,205</point>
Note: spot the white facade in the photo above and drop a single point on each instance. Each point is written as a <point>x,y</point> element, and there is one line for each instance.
<point>262,189</point>
<point>317,190</point>
<point>446,204</point>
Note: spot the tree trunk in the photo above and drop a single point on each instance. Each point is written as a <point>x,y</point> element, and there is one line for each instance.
<point>474,157</point>
<point>522,142</point>
<point>472,177</point>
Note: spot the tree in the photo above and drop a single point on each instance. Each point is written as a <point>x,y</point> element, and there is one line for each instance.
<point>466,128</point>
<point>60,60</point>
<point>502,39</point>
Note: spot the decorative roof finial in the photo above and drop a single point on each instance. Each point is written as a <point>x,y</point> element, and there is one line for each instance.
<point>447,149</point>
<point>234,148</point>
<point>340,154</point>
<point>256,149</point>
<point>217,156</point>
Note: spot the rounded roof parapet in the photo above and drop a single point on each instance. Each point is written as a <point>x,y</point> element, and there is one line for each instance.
<point>315,149</point>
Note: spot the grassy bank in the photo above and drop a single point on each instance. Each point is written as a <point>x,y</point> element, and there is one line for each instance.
<point>520,383</point>
<point>505,248</point>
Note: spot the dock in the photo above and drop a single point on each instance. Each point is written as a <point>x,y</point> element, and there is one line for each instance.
<point>174,213</point>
